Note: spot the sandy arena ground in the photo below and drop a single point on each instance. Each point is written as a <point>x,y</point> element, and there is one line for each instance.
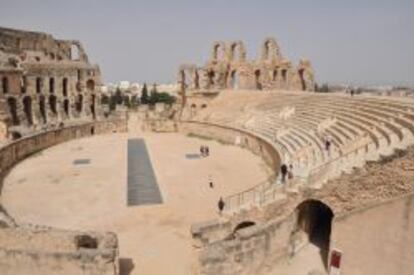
<point>49,189</point>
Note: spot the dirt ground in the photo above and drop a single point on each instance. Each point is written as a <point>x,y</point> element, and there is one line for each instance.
<point>49,189</point>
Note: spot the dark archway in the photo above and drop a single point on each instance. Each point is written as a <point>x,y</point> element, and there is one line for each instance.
<point>234,80</point>
<point>90,85</point>
<point>42,108</point>
<point>302,79</point>
<point>66,106</point>
<point>38,85</point>
<point>5,84</point>
<point>211,76</point>
<point>12,103</point>
<point>315,219</point>
<point>65,87</point>
<point>196,80</point>
<point>27,107</point>
<point>52,85</point>
<point>53,104</point>
<point>258,80</point>
<point>92,106</point>
<point>79,103</point>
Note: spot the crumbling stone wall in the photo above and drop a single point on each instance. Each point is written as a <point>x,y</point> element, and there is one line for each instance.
<point>38,250</point>
<point>44,82</point>
<point>228,68</point>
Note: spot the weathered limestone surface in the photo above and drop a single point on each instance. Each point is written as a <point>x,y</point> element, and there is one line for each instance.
<point>43,82</point>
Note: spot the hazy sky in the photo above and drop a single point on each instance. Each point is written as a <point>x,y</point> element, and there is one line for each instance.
<point>348,41</point>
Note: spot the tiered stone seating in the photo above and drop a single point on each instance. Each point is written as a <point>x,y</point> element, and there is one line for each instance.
<point>297,123</point>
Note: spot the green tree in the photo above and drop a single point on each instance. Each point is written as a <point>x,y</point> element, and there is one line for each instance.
<point>144,95</point>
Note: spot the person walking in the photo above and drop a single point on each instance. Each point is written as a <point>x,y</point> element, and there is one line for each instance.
<point>210,182</point>
<point>290,172</point>
<point>207,151</point>
<point>221,205</point>
<point>202,150</point>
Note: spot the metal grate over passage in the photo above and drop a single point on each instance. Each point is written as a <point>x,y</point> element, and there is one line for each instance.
<point>142,183</point>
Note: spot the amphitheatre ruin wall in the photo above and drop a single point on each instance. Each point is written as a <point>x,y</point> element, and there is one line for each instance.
<point>354,198</point>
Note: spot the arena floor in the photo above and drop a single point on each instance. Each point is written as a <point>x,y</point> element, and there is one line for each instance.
<point>82,185</point>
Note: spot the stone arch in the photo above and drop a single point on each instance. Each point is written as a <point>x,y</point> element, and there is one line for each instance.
<point>234,80</point>
<point>270,50</point>
<point>284,74</point>
<point>15,135</point>
<point>42,108</point>
<point>92,106</point>
<point>53,104</point>
<point>79,103</point>
<point>314,219</point>
<point>65,86</point>
<point>203,106</point>
<point>66,106</point>
<point>196,79</point>
<point>211,75</point>
<point>39,84</point>
<point>301,73</point>
<point>275,74</point>
<point>237,51</point>
<point>27,108</point>
<point>90,85</point>
<point>52,85</point>
<point>258,79</point>
<point>12,103</point>
<point>5,84</point>
<point>219,51</point>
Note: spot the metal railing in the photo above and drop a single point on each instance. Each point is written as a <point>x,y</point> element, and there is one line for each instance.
<point>266,191</point>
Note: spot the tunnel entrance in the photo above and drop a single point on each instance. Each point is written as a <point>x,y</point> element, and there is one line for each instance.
<point>314,218</point>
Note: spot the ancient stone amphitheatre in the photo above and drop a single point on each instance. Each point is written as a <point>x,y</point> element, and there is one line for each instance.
<point>86,191</point>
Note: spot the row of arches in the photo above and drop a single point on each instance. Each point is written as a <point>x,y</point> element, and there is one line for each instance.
<point>44,104</point>
<point>39,83</point>
<point>237,52</point>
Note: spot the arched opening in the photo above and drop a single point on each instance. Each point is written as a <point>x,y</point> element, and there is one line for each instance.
<point>284,75</point>
<point>90,85</point>
<point>234,80</point>
<point>52,85</point>
<point>23,84</point>
<point>92,106</point>
<point>274,75</point>
<point>16,135</point>
<point>266,54</point>
<point>5,84</point>
<point>74,52</point>
<point>243,225</point>
<point>38,85</point>
<point>92,130</point>
<point>314,218</point>
<point>53,103</point>
<point>302,79</point>
<point>196,80</point>
<point>211,76</point>
<point>12,103</point>
<point>42,108</point>
<point>218,52</point>
<point>79,103</point>
<point>258,80</point>
<point>66,106</point>
<point>204,106</point>
<point>235,51</point>
<point>27,107</point>
<point>65,87</point>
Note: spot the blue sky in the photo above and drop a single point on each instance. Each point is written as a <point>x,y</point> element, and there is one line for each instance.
<point>358,42</point>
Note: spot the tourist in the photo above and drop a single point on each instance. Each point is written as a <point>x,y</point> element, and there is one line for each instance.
<point>207,151</point>
<point>352,92</point>
<point>284,171</point>
<point>221,205</point>
<point>202,150</point>
<point>210,182</point>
